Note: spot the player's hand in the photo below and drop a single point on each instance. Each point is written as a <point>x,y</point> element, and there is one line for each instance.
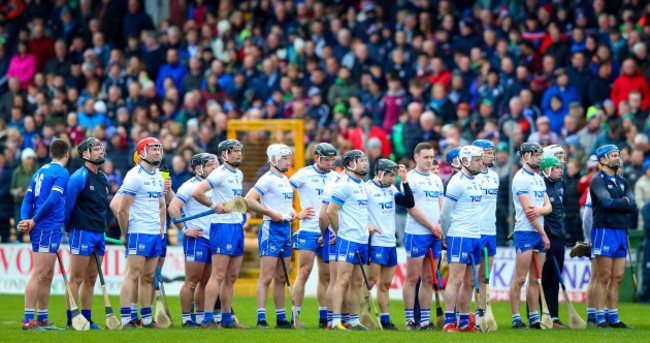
<point>401,172</point>
<point>167,186</point>
<point>437,231</point>
<point>221,208</point>
<point>194,233</point>
<point>321,239</point>
<point>372,230</point>
<point>444,244</point>
<point>307,213</point>
<point>275,216</point>
<point>25,226</point>
<point>533,212</point>
<point>332,238</point>
<point>547,242</point>
<point>628,199</point>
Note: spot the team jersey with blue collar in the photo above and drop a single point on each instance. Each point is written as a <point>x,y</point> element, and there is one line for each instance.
<point>427,190</point>
<point>310,184</point>
<point>147,189</point>
<point>226,185</point>
<point>85,201</point>
<point>277,194</point>
<point>489,182</point>
<point>52,177</point>
<point>192,207</point>
<point>350,194</point>
<point>381,213</point>
<point>467,193</point>
<point>525,182</point>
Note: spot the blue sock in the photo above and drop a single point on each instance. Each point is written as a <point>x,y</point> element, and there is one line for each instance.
<point>29,315</point>
<point>208,316</point>
<point>281,315</point>
<point>450,317</point>
<point>187,317</point>
<point>86,314</point>
<point>591,313</point>
<point>410,317</point>
<point>330,314</point>
<point>600,316</point>
<point>145,313</point>
<point>322,313</point>
<point>134,311</point>
<point>68,313</point>
<point>425,317</point>
<point>613,316</point>
<point>533,317</point>
<point>226,317</point>
<point>125,313</point>
<point>261,314</point>
<point>516,318</point>
<point>41,316</point>
<point>606,314</point>
<point>464,320</point>
<point>384,317</point>
<point>345,318</point>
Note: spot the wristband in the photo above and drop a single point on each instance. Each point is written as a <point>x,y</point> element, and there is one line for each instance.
<point>214,204</point>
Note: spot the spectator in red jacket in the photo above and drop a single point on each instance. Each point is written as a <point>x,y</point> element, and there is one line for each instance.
<point>42,47</point>
<point>358,134</point>
<point>630,79</point>
<point>439,74</point>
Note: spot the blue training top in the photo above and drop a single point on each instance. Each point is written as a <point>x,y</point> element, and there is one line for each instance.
<point>85,201</point>
<point>44,201</point>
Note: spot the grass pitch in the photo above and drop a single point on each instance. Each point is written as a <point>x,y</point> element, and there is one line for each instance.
<point>11,315</point>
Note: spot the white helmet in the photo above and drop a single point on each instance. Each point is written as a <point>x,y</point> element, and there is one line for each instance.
<point>551,150</point>
<point>468,152</point>
<point>278,151</point>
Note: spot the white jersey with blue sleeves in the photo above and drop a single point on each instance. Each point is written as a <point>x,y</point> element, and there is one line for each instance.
<point>427,190</point>
<point>310,184</point>
<point>226,185</point>
<point>277,194</point>
<point>489,182</point>
<point>381,213</point>
<point>525,182</point>
<point>147,189</point>
<point>351,195</point>
<point>192,207</point>
<point>467,193</point>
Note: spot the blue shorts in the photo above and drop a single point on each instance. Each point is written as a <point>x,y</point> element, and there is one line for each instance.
<point>526,240</point>
<point>306,240</point>
<point>197,250</point>
<point>609,242</point>
<point>347,251</point>
<point>459,250</point>
<point>274,237</point>
<point>144,245</point>
<point>227,239</point>
<point>44,240</point>
<point>489,242</point>
<point>163,247</point>
<point>419,245</point>
<point>84,242</point>
<point>386,256</point>
<point>324,249</point>
<point>332,250</point>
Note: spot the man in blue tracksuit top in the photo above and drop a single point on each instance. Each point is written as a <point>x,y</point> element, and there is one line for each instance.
<point>85,222</point>
<point>612,200</point>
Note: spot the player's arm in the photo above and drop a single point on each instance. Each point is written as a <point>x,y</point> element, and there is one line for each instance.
<point>524,200</point>
<point>75,186</point>
<point>323,221</point>
<point>167,191</point>
<point>174,210</point>
<point>333,215</point>
<point>56,193</point>
<point>421,218</point>
<point>26,210</point>
<point>199,195</point>
<point>162,205</point>
<point>253,199</point>
<point>629,193</point>
<point>405,198</point>
<point>448,206</point>
<point>598,189</point>
<point>587,222</point>
<point>115,204</point>
<point>126,200</point>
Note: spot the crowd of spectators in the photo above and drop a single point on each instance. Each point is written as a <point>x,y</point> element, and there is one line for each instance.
<point>383,75</point>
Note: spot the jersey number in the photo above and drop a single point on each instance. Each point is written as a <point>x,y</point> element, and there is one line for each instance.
<point>37,188</point>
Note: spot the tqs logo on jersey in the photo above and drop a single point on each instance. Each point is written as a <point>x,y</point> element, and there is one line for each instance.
<point>431,194</point>
<point>539,194</point>
<point>155,195</point>
<point>237,192</point>
<point>490,191</point>
<point>288,195</point>
<point>386,205</point>
<point>320,191</point>
<point>475,198</point>
<point>363,202</point>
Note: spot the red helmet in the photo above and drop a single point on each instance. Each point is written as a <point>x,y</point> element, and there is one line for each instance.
<point>144,145</point>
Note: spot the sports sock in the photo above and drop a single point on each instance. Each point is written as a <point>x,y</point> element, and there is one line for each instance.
<point>187,317</point>
<point>384,317</point>
<point>200,315</point>
<point>600,316</point>
<point>410,317</point>
<point>533,317</point>
<point>298,308</point>
<point>134,311</point>
<point>322,313</point>
<point>145,314</point>
<point>217,315</point>
<point>516,318</point>
<point>125,314</point>
<point>261,314</point>
<point>354,319</point>
<point>606,314</point>
<point>86,314</point>
<point>336,319</point>
<point>281,315</point>
<point>345,318</point>
<point>450,317</point>
<point>29,315</point>
<point>41,316</point>
<point>463,321</point>
<point>591,313</point>
<point>612,315</point>
<point>329,317</point>
<point>208,316</point>
<point>226,317</point>
<point>425,317</point>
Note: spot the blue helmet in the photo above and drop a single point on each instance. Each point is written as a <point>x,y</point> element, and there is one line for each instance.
<point>483,144</point>
<point>604,151</point>
<point>453,155</point>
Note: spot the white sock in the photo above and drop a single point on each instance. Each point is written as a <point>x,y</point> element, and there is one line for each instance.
<point>199,317</point>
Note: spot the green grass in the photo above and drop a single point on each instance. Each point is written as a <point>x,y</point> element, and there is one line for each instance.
<point>12,312</point>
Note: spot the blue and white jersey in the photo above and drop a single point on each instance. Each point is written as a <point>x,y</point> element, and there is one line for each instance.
<point>466,191</point>
<point>525,182</point>
<point>277,194</point>
<point>381,213</point>
<point>226,185</point>
<point>489,182</point>
<point>310,184</point>
<point>52,177</point>
<point>427,190</point>
<point>351,195</point>
<point>147,189</point>
<point>192,207</point>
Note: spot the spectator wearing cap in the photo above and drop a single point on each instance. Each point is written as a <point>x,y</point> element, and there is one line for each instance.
<point>21,178</point>
<point>642,192</point>
<point>630,79</point>
<point>543,131</point>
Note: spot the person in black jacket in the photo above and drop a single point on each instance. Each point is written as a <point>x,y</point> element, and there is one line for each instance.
<point>85,222</point>
<point>612,200</point>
